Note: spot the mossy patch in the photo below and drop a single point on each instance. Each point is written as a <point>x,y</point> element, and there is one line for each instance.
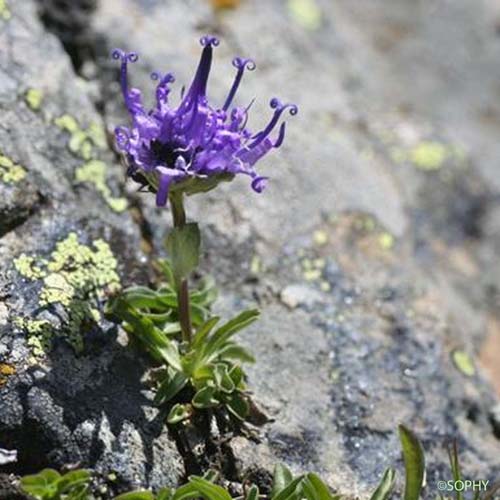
<point>4,10</point>
<point>94,172</point>
<point>34,98</point>
<point>10,172</point>
<point>76,277</point>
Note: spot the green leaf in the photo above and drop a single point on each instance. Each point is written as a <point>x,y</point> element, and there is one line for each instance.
<point>203,331</point>
<point>237,376</point>
<point>171,328</point>
<point>171,386</point>
<point>185,492</point>
<point>290,491</point>
<point>166,267</point>
<point>209,490</point>
<point>224,333</point>
<point>168,299</point>
<point>207,293</point>
<point>308,490</point>
<point>198,314</point>
<point>210,475</point>
<point>183,245</point>
<point>237,404</point>
<point>79,492</point>
<point>222,379</point>
<point>414,463</point>
<point>146,332</point>
<point>385,486</point>
<point>136,495</point>
<point>178,413</point>
<point>165,494</point>
<point>41,485</point>
<point>455,467</point>
<point>140,296</point>
<point>234,351</point>
<point>204,398</point>
<point>252,493</point>
<point>282,478</point>
<point>72,479</point>
<point>322,492</point>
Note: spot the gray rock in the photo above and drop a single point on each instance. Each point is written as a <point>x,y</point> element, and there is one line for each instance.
<point>66,241</point>
<point>402,194</point>
<point>391,159</point>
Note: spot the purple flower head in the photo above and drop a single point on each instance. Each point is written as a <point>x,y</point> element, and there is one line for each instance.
<point>194,146</point>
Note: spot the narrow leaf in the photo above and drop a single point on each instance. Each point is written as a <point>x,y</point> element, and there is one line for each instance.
<point>136,495</point>
<point>385,486</point>
<point>171,386</point>
<point>237,404</point>
<point>321,489</point>
<point>185,492</point>
<point>252,493</point>
<point>165,494</point>
<point>224,333</point>
<point>209,490</point>
<point>204,398</point>
<point>204,330</point>
<point>282,478</point>
<point>178,413</point>
<point>234,351</point>
<point>414,463</point>
<point>455,467</point>
<point>290,490</point>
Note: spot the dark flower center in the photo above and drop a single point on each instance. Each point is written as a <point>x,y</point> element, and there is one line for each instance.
<point>167,153</point>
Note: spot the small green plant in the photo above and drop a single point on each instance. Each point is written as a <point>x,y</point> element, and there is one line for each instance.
<point>179,152</point>
<point>208,366</point>
<point>413,456</point>
<point>285,487</point>
<point>50,485</point>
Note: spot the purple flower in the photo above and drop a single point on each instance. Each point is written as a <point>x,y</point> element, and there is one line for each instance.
<point>194,146</point>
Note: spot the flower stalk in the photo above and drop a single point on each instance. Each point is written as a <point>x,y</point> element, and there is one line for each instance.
<point>179,218</point>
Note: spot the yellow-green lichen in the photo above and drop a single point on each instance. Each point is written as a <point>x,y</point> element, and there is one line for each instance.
<point>94,172</point>
<point>82,142</point>
<point>320,237</point>
<point>306,13</point>
<point>386,240</point>
<point>463,362</point>
<point>40,333</point>
<point>76,277</point>
<point>6,371</point>
<point>34,98</point>
<point>312,269</point>
<point>4,10</point>
<point>26,266</point>
<point>10,172</point>
<point>428,156</point>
